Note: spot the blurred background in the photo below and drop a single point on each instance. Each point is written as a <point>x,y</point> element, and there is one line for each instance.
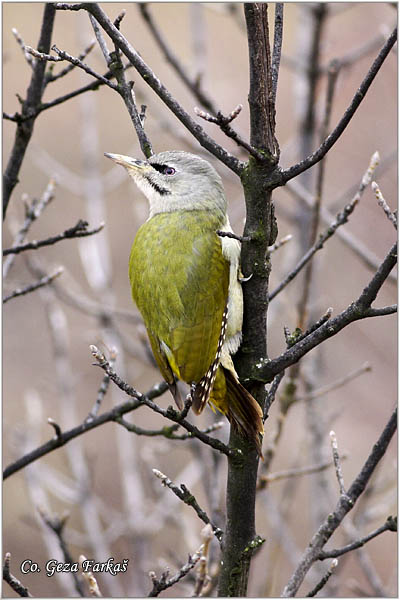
<point>104,479</point>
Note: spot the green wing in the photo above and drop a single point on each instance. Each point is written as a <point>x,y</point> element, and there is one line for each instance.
<point>180,280</point>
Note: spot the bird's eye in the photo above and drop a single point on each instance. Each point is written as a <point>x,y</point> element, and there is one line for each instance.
<point>169,171</point>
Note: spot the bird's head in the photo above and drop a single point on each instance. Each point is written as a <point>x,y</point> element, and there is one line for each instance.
<point>175,181</point>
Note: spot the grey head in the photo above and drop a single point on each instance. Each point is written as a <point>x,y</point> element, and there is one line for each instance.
<point>175,181</point>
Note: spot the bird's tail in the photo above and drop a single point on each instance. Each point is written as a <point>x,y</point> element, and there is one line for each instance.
<point>244,412</point>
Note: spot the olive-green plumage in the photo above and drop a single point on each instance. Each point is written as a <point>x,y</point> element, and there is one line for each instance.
<point>185,282</point>
<point>179,306</point>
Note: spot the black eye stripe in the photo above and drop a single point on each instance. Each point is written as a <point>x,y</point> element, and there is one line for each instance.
<point>163,168</point>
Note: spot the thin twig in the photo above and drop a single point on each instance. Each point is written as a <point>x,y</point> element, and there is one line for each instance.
<point>272,393</point>
<point>359,309</point>
<point>341,219</point>
<point>100,40</point>
<point>50,76</point>
<point>298,335</point>
<point>106,417</point>
<point>232,235</point>
<point>150,78</point>
<point>161,584</point>
<point>102,390</point>
<point>187,497</point>
<point>280,243</point>
<point>343,506</point>
<point>223,124</point>
<point>389,525</point>
<point>22,45</point>
<point>78,63</point>
<point>382,202</point>
<point>126,92</point>
<point>167,432</point>
<point>324,580</point>
<point>13,582</point>
<point>170,413</point>
<point>46,280</point>
<point>32,212</point>
<point>337,463</point>
<point>77,231</point>
<point>369,259</point>
<point>91,580</point>
<point>203,579</point>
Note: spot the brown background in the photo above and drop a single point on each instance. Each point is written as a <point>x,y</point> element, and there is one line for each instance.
<point>104,479</point>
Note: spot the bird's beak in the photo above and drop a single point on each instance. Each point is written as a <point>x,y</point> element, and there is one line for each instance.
<point>127,162</point>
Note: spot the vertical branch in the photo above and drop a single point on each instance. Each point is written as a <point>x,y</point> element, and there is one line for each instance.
<point>31,103</point>
<point>261,98</point>
<point>276,54</point>
<point>240,539</point>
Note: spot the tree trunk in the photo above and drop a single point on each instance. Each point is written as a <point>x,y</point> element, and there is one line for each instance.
<point>240,538</point>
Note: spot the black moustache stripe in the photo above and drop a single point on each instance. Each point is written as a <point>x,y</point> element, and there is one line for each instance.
<point>162,191</point>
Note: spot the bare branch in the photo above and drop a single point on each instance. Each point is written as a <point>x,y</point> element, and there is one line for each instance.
<point>103,389</point>
<point>389,525</point>
<point>369,259</point>
<point>380,312</point>
<point>56,427</point>
<point>223,123</point>
<point>170,413</point>
<point>203,579</point>
<point>125,90</point>
<point>262,109</point>
<point>324,580</point>
<point>187,497</point>
<point>272,393</point>
<point>57,442</point>
<point>341,219</point>
<point>149,77</point>
<point>276,53</point>
<point>90,578</point>
<point>336,462</point>
<point>280,243</point>
<point>79,230</point>
<point>344,505</point>
<point>100,40</point>
<point>192,85</point>
<point>359,309</point>
<point>46,280</point>
<point>23,47</point>
<point>54,76</point>
<point>29,107</point>
<point>332,138</point>
<point>382,202</point>
<point>43,56</point>
<point>32,212</point>
<point>12,581</point>
<point>78,63</point>
<point>163,582</point>
<point>167,432</point>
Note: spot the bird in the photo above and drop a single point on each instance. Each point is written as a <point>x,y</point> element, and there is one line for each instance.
<point>186,282</point>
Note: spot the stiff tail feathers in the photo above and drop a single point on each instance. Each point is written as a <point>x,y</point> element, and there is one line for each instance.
<point>244,412</point>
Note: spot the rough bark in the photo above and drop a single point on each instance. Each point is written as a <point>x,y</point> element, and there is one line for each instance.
<point>240,539</point>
